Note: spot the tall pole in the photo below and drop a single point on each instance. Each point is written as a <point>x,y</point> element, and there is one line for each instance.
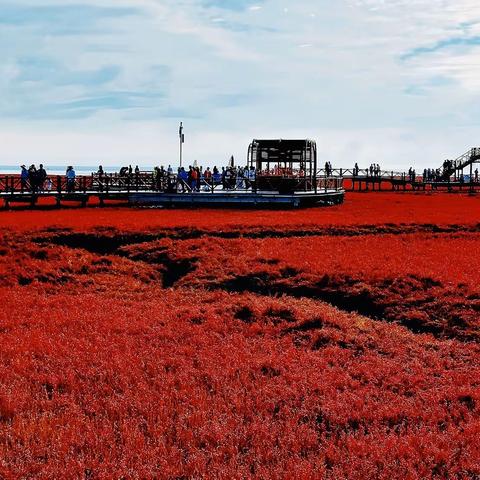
<point>182,141</point>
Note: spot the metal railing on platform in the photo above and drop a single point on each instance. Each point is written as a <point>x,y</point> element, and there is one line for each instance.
<point>171,183</point>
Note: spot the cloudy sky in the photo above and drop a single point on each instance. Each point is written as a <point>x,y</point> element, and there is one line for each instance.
<point>395,82</point>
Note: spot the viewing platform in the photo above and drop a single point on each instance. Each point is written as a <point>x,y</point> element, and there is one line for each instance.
<point>145,190</point>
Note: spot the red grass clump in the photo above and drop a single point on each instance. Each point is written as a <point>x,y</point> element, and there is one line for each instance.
<point>358,209</point>
<point>319,343</point>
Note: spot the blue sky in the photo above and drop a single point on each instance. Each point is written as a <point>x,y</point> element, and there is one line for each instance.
<point>394,82</point>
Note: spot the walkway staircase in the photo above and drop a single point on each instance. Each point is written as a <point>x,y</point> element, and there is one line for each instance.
<point>462,162</point>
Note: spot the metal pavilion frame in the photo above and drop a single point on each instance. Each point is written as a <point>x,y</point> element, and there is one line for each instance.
<point>284,165</point>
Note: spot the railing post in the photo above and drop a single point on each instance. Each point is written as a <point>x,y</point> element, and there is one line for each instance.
<point>59,184</point>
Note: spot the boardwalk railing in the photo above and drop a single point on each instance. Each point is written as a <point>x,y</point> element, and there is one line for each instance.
<point>14,184</point>
<point>362,172</point>
<point>281,181</point>
<point>106,184</point>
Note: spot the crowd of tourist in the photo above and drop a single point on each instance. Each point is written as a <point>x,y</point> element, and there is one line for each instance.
<point>373,170</point>
<point>430,175</point>
<point>196,178</point>
<point>442,175</point>
<point>34,179</point>
<point>433,175</point>
<point>191,179</point>
<point>328,169</point>
<point>412,175</point>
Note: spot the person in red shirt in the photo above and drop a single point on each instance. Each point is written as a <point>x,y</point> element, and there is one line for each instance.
<point>194,177</point>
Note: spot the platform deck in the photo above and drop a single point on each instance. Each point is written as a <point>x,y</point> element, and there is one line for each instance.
<point>154,198</point>
<point>238,198</point>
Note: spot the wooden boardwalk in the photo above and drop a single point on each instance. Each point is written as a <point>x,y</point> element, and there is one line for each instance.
<point>144,189</point>
<point>450,177</point>
<point>401,182</point>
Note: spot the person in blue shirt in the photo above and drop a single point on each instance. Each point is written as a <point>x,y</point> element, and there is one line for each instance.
<point>70,174</point>
<point>24,177</point>
<point>182,180</point>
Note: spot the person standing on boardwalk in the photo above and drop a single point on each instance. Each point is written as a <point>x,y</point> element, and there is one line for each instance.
<point>41,176</point>
<point>70,174</point>
<point>224,179</point>
<point>33,177</point>
<point>182,180</point>
<point>327,169</point>
<point>195,179</point>
<point>24,177</point>
<point>156,178</point>
<point>164,179</point>
<point>101,175</point>
<point>207,175</point>
<point>228,178</point>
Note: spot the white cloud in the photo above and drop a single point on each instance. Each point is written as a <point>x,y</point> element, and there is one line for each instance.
<point>335,74</point>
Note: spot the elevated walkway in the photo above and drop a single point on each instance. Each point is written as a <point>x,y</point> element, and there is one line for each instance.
<point>453,176</point>
<point>456,168</point>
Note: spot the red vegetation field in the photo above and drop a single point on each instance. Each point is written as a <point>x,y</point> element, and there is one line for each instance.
<point>336,343</point>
